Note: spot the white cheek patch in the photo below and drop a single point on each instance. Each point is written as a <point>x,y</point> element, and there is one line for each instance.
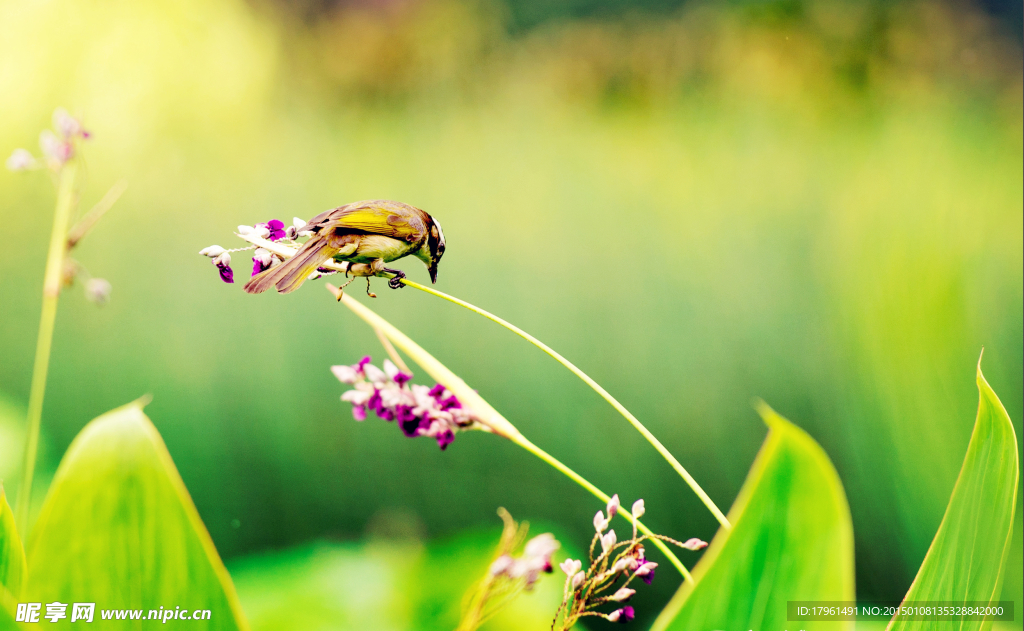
<point>440,233</point>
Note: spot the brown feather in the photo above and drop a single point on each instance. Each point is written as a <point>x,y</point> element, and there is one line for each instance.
<point>290,275</point>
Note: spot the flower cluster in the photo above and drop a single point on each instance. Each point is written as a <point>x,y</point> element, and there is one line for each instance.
<point>418,410</point>
<point>262,259</point>
<point>509,574</point>
<point>608,578</point>
<point>58,145</point>
<point>536,558</point>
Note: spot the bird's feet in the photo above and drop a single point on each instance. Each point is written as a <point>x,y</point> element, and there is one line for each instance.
<point>396,281</point>
<point>368,292</point>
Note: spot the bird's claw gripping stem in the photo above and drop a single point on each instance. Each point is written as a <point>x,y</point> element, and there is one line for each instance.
<point>396,281</point>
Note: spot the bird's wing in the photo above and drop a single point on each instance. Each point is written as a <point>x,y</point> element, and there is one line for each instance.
<point>387,218</point>
<point>317,222</point>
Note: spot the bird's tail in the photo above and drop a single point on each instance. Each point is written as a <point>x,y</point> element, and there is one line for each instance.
<point>288,276</point>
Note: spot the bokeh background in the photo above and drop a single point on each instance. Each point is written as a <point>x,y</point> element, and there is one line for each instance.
<point>816,202</point>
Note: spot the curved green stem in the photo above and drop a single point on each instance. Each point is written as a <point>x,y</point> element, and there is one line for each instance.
<point>51,293</point>
<point>491,418</point>
<point>719,515</point>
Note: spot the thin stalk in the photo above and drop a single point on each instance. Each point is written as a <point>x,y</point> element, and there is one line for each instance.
<point>491,418</point>
<point>708,502</point>
<point>596,492</point>
<point>390,348</point>
<point>51,293</point>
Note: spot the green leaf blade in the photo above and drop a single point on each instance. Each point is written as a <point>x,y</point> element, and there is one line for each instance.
<point>12,554</point>
<point>119,529</point>
<point>792,539</point>
<point>965,560</point>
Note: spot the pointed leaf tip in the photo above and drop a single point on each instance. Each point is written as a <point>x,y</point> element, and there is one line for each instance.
<point>12,554</point>
<point>974,537</point>
<point>118,527</point>
<point>792,539</point>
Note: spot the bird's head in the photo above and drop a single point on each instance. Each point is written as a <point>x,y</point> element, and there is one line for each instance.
<point>433,249</point>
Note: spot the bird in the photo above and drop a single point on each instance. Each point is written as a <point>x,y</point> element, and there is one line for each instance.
<point>367,235</point>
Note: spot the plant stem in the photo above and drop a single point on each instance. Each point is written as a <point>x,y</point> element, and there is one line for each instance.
<point>578,479</point>
<point>491,417</point>
<point>51,293</point>
<point>719,515</point>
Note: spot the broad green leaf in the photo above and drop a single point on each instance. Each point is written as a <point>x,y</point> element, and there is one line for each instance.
<point>119,529</point>
<point>12,554</point>
<point>965,560</point>
<point>9,605</point>
<point>792,539</point>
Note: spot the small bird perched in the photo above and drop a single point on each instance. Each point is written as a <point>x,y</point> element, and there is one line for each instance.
<point>367,235</point>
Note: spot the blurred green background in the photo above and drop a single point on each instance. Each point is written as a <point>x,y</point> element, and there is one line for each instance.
<point>814,202</point>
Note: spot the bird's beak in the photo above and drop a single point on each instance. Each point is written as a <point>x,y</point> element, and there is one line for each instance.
<point>432,268</point>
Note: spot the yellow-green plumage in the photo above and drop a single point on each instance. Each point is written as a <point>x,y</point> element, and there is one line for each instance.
<point>371,232</point>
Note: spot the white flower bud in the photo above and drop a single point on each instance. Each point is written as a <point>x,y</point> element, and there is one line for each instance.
<point>212,251</point>
<point>638,509</point>
<point>246,230</point>
<point>345,374</point>
<point>222,260</point>
<point>298,223</point>
<point>621,565</point>
<point>55,150</point>
<point>21,160</point>
<point>97,290</point>
<point>261,231</point>
<point>695,544</point>
<point>613,506</point>
<point>263,256</point>
<point>66,124</point>
<point>600,523</point>
<point>608,540</point>
<point>542,546</point>
<point>646,568</point>
<point>571,566</point>
<point>578,579</point>
<point>374,374</point>
<point>390,369</point>
<point>518,568</point>
<point>501,565</point>
<point>624,593</point>
<point>356,397</point>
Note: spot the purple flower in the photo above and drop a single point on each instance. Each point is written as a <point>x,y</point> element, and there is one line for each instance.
<point>437,391</point>
<point>450,403</point>
<point>446,438</point>
<point>275,227</point>
<point>418,410</point>
<point>408,421</point>
<point>223,263</point>
<point>645,570</point>
<point>358,400</point>
<point>261,261</point>
<point>622,616</point>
